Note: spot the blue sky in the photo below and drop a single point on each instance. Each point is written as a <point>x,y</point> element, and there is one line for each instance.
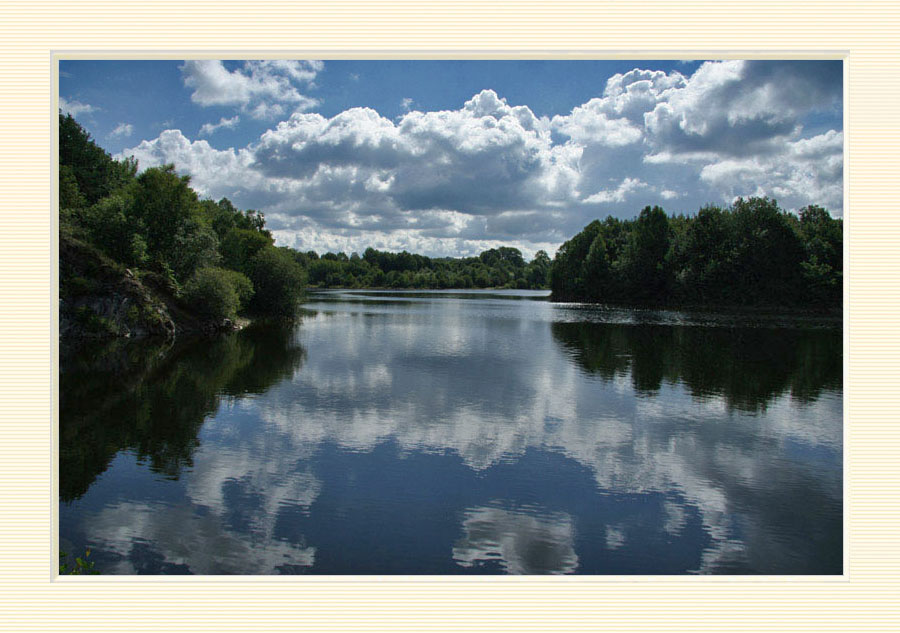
<point>453,157</point>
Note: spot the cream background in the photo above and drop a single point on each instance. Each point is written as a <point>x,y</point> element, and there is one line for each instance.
<point>34,34</point>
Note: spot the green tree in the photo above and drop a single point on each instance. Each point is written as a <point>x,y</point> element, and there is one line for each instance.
<point>70,196</point>
<point>196,246</point>
<point>111,226</point>
<point>537,272</point>
<point>278,282</point>
<point>704,257</point>
<point>595,271</point>
<point>218,293</point>
<point>822,268</point>
<point>768,253</point>
<point>240,246</point>
<point>95,172</point>
<point>165,203</point>
<point>566,274</point>
<point>644,268</point>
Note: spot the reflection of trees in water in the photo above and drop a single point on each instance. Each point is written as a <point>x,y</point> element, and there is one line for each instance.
<point>748,366</point>
<point>152,397</point>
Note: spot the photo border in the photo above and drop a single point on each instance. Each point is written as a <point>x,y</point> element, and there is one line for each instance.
<point>865,35</point>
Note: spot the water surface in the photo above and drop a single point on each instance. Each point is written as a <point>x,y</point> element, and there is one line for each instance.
<point>459,432</point>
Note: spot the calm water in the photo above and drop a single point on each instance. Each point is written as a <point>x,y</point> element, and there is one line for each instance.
<point>459,432</point>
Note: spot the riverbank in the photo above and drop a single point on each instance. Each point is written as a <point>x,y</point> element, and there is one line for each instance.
<point>100,298</point>
<point>719,308</point>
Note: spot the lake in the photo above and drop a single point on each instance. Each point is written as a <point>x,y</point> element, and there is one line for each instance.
<point>459,432</point>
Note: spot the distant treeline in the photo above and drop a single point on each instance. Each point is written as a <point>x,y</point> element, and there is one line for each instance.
<point>502,267</point>
<point>751,253</point>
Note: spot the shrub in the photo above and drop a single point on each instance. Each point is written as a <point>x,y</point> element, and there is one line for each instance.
<point>217,293</point>
<point>278,280</point>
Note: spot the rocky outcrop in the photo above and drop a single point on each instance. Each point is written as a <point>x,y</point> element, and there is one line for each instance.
<point>100,299</point>
<point>123,309</point>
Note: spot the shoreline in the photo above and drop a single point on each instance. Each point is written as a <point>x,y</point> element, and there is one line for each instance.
<point>762,309</point>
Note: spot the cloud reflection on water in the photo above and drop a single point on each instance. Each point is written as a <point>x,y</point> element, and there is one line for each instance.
<point>521,543</point>
<point>744,467</point>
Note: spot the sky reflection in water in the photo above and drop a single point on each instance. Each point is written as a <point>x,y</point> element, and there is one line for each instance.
<point>459,433</point>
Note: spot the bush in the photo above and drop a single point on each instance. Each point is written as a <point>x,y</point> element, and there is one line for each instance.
<point>279,282</point>
<point>217,293</point>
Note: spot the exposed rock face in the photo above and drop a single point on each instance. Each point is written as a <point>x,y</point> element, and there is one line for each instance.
<point>99,299</point>
<point>115,309</point>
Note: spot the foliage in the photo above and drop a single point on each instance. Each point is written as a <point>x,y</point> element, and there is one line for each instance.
<point>702,255</point>
<point>164,205</point>
<point>81,566</point>
<point>223,216</point>
<point>96,174</point>
<point>155,224</point>
<point>195,247</point>
<point>111,225</point>
<point>217,293</point>
<point>642,268</point>
<point>567,272</point>
<point>70,196</point>
<point>502,267</point>
<point>537,272</point>
<point>278,281</point>
<point>767,252</point>
<point>823,263</point>
<point>239,246</point>
<point>751,253</point>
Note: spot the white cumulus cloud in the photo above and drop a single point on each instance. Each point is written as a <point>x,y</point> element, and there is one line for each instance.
<point>121,130</point>
<point>209,128</point>
<point>619,193</point>
<point>493,172</point>
<point>262,88</point>
<point>74,107</point>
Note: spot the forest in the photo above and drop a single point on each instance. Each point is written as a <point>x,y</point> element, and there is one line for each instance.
<point>751,253</point>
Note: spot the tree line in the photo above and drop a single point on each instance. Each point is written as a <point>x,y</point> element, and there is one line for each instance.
<point>751,253</point>
<point>503,267</point>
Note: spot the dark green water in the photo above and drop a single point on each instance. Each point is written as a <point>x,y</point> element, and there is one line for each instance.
<point>459,432</point>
